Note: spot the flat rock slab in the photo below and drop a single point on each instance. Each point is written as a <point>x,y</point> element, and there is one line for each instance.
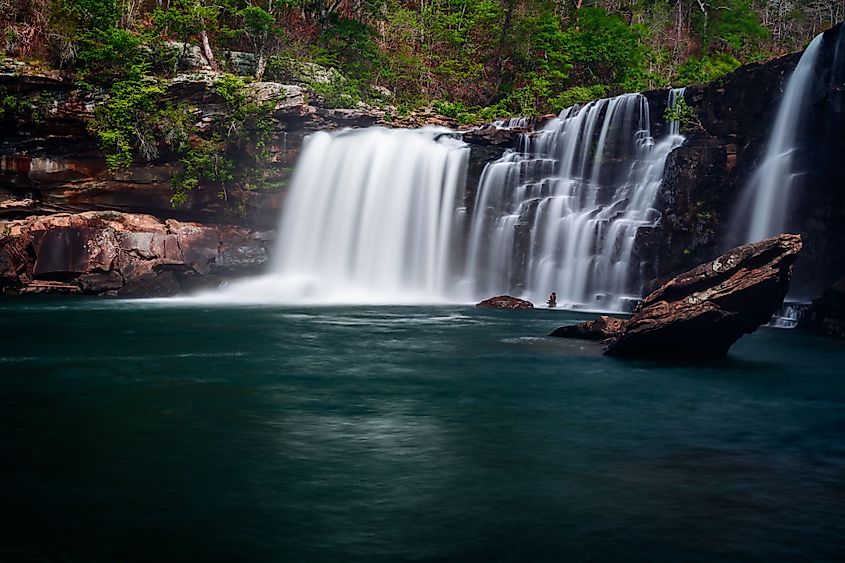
<point>602,328</point>
<point>505,302</point>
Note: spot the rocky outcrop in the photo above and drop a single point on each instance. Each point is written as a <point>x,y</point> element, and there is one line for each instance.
<point>51,163</point>
<point>705,178</point>
<point>505,302</point>
<point>703,312</point>
<point>123,254</point>
<point>602,328</point>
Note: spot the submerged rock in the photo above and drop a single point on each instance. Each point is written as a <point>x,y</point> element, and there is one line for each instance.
<point>103,252</point>
<point>703,312</point>
<point>602,328</point>
<point>505,302</point>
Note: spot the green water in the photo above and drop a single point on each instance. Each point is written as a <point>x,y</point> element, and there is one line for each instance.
<point>142,432</point>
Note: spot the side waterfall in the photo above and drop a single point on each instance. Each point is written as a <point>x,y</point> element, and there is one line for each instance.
<point>562,213</point>
<point>763,210</point>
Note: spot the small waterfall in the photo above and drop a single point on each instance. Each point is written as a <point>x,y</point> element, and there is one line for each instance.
<point>512,123</point>
<point>675,95</point>
<point>562,213</point>
<point>788,316</point>
<point>763,210</point>
<point>373,216</point>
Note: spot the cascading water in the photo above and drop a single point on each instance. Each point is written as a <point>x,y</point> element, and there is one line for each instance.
<point>512,123</point>
<point>562,213</point>
<point>373,216</point>
<point>377,215</point>
<point>762,212</point>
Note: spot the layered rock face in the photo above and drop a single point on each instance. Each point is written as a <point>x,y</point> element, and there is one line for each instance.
<point>51,163</point>
<point>703,312</point>
<point>123,254</point>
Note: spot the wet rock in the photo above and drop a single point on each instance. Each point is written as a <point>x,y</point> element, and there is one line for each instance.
<point>703,312</point>
<point>505,302</point>
<point>100,282</point>
<point>64,251</point>
<point>602,328</point>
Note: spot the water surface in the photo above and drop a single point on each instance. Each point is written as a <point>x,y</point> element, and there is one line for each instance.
<point>139,432</point>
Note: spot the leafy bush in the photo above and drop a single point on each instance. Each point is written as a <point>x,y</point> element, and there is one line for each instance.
<point>122,123</point>
<point>706,68</point>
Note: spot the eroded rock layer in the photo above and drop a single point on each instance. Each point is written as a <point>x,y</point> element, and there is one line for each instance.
<point>106,252</point>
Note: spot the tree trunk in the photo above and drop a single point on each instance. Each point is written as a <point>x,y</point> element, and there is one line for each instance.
<point>207,52</point>
<point>260,65</point>
<point>497,69</point>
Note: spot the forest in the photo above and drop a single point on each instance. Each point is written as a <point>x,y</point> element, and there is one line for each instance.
<point>468,59</point>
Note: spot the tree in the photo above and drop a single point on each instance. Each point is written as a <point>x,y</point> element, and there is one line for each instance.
<point>259,26</point>
<point>191,18</point>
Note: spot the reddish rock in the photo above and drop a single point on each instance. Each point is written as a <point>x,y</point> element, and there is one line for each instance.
<point>505,302</point>
<point>71,250</point>
<point>104,252</point>
<point>703,312</point>
<point>602,328</point>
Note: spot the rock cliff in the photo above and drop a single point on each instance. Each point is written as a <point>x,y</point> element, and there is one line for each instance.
<point>705,177</point>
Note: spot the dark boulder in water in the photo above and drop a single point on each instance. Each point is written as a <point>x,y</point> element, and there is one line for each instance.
<point>703,312</point>
<point>505,302</point>
<point>602,328</point>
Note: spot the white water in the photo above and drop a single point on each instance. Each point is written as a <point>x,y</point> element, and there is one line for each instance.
<point>512,123</point>
<point>788,316</point>
<point>377,215</point>
<point>763,210</point>
<point>373,216</point>
<point>562,214</point>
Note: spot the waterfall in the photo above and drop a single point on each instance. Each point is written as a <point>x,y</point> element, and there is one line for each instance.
<point>378,215</point>
<point>788,316</point>
<point>675,95</point>
<point>512,123</point>
<point>373,216</point>
<point>562,213</point>
<point>763,210</point>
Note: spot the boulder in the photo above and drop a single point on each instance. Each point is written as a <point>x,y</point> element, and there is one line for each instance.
<point>602,328</point>
<point>703,312</point>
<point>505,302</point>
<point>126,254</point>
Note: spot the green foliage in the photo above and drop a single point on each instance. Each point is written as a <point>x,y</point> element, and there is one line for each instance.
<point>684,114</point>
<point>578,95</point>
<point>608,50</point>
<point>122,123</point>
<point>186,18</point>
<point>338,93</point>
<point>26,108</point>
<point>706,68</point>
<point>204,161</point>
